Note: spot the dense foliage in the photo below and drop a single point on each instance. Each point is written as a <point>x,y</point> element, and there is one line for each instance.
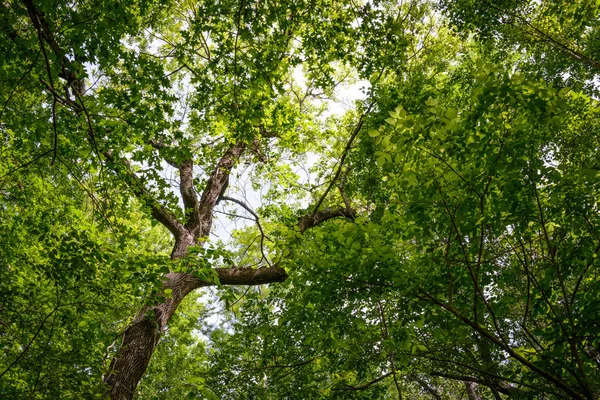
<point>438,238</point>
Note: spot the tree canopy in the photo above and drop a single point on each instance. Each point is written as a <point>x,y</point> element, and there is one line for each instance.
<point>191,207</point>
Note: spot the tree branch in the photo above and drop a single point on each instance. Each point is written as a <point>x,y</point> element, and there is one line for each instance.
<point>275,366</point>
<point>256,219</point>
<point>160,213</point>
<point>30,341</point>
<point>361,121</point>
<point>556,380</point>
<point>308,221</point>
<point>214,187</point>
<point>243,276</point>
<point>160,146</point>
<point>43,28</point>
<point>574,54</point>
<point>502,387</point>
<point>188,194</point>
<point>366,385</point>
<point>427,387</point>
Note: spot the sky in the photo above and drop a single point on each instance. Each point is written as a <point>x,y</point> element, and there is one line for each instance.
<point>343,100</point>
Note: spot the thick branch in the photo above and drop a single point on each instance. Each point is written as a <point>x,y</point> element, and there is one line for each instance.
<point>188,194</point>
<point>186,186</point>
<point>160,213</point>
<point>214,187</point>
<point>251,276</point>
<point>471,387</point>
<point>41,25</point>
<point>308,221</point>
<point>181,283</point>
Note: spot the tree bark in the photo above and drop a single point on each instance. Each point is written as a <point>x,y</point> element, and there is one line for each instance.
<point>471,387</point>
<point>142,335</point>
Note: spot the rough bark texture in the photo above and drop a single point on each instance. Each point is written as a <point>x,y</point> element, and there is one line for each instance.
<point>142,335</point>
<point>140,338</point>
<point>471,388</point>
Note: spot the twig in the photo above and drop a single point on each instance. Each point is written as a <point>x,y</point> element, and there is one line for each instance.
<point>34,159</point>
<point>19,82</point>
<point>29,344</point>
<point>49,72</point>
<point>240,298</point>
<point>366,385</point>
<point>257,219</point>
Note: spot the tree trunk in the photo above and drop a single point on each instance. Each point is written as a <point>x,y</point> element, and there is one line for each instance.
<point>142,335</point>
<point>130,362</point>
<point>471,388</point>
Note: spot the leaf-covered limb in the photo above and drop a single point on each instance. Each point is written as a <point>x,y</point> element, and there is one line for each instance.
<point>309,221</point>
<point>158,211</point>
<point>556,380</point>
<point>340,164</point>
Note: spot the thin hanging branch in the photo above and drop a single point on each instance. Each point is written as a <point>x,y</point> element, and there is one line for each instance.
<point>159,212</point>
<point>257,220</point>
<point>12,364</point>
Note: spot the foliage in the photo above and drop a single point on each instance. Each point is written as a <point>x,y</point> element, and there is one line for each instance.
<point>459,252</point>
<point>481,232</point>
<point>67,285</point>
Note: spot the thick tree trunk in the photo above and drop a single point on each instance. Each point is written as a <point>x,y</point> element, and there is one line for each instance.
<point>142,335</point>
<point>130,362</point>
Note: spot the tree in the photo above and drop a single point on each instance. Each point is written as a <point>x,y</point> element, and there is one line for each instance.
<point>130,91</point>
<point>448,246</point>
<point>475,193</point>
